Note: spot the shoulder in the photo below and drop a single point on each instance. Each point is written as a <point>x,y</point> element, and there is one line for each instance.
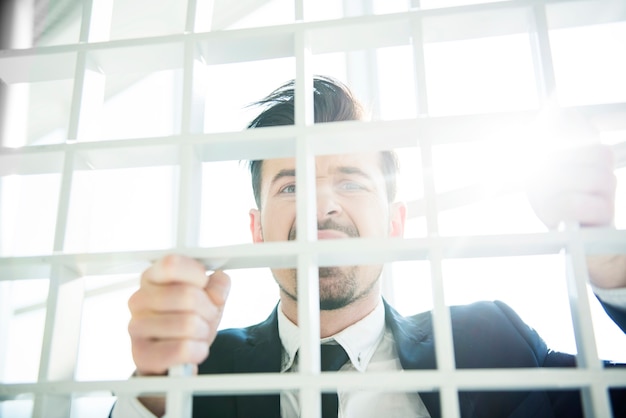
<point>489,334</point>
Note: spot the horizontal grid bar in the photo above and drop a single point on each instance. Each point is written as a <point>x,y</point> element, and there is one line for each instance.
<point>408,380</point>
<point>355,135</point>
<point>330,252</point>
<point>398,19</point>
<point>451,382</point>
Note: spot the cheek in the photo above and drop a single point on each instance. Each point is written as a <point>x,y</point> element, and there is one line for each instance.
<point>276,222</point>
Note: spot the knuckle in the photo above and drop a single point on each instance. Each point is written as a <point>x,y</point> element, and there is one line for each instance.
<point>134,301</point>
<point>190,325</point>
<point>189,296</point>
<point>135,327</point>
<point>171,262</point>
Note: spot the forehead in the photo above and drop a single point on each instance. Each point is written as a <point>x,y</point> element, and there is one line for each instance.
<point>368,163</point>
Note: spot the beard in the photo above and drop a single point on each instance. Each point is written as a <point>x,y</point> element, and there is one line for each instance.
<point>338,286</point>
<point>349,230</point>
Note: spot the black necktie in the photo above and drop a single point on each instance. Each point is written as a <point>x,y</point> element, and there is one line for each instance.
<point>332,358</point>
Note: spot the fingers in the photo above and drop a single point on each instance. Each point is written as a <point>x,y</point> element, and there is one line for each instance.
<point>151,356</point>
<point>218,287</point>
<point>175,314</point>
<point>575,185</point>
<point>170,326</point>
<point>176,268</point>
<point>588,210</point>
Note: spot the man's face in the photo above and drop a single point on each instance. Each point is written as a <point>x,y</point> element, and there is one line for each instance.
<point>351,202</point>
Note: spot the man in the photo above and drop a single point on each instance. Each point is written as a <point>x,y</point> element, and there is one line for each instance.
<point>176,311</point>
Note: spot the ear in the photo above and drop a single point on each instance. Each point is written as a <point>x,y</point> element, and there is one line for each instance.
<point>397,219</point>
<point>255,226</point>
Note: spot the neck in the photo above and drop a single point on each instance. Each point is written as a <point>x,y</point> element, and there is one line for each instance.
<point>336,320</point>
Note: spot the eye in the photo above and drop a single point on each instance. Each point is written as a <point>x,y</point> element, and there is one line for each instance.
<point>351,186</point>
<point>288,189</point>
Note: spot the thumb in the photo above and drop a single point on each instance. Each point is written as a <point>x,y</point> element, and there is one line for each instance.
<point>218,288</point>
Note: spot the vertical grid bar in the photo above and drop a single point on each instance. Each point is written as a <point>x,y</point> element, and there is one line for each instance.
<point>89,90</point>
<point>306,219</point>
<point>63,312</point>
<point>442,327</point>
<point>99,14</point>
<point>179,403</point>
<point>66,292</point>
<point>190,19</point>
<point>61,339</point>
<point>361,66</point>
<point>299,10</point>
<point>200,16</point>
<point>542,55</point>
<point>596,401</point>
<point>6,313</point>
<point>419,63</point>
<point>82,105</point>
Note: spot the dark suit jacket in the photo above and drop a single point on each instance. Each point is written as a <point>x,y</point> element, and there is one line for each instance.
<point>486,335</point>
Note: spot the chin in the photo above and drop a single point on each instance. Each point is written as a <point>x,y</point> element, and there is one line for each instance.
<point>334,304</point>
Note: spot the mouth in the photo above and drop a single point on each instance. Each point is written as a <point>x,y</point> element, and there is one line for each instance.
<point>329,230</point>
<point>331,234</point>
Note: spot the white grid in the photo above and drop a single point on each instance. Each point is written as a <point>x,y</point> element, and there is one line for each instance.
<point>85,60</point>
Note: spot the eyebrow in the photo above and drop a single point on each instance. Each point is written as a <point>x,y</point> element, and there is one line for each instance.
<point>283,173</point>
<point>343,170</point>
<point>354,170</point>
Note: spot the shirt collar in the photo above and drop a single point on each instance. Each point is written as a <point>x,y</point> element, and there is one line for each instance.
<point>360,339</point>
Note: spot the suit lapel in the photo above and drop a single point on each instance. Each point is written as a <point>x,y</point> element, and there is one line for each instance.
<point>415,345</point>
<point>263,350</point>
<point>261,354</point>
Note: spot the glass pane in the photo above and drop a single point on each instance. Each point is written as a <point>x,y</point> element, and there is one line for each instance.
<point>252,14</point>
<point>28,212</point>
<point>144,18</point>
<point>396,83</point>
<point>231,88</point>
<point>493,74</point>
<point>589,63</point>
<point>92,406</point>
<point>39,90</point>
<point>254,289</point>
<point>22,350</point>
<point>435,4</point>
<point>122,209</point>
<point>105,319</point>
<point>411,286</point>
<point>139,105</point>
<point>17,409</point>
<point>515,280</point>
<point>225,224</point>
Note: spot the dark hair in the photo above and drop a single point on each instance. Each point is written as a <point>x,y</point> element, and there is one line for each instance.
<point>332,101</point>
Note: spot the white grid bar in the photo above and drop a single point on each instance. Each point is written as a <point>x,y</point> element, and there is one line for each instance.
<point>542,55</point>
<point>442,325</point>
<point>306,227</point>
<point>179,403</point>
<point>398,37</point>
<point>408,380</point>
<point>284,254</point>
<point>596,402</point>
<point>355,136</point>
<point>305,141</point>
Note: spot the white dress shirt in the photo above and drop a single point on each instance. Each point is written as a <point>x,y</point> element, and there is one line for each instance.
<point>370,346</point>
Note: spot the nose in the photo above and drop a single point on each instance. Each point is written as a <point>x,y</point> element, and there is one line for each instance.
<point>327,204</point>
